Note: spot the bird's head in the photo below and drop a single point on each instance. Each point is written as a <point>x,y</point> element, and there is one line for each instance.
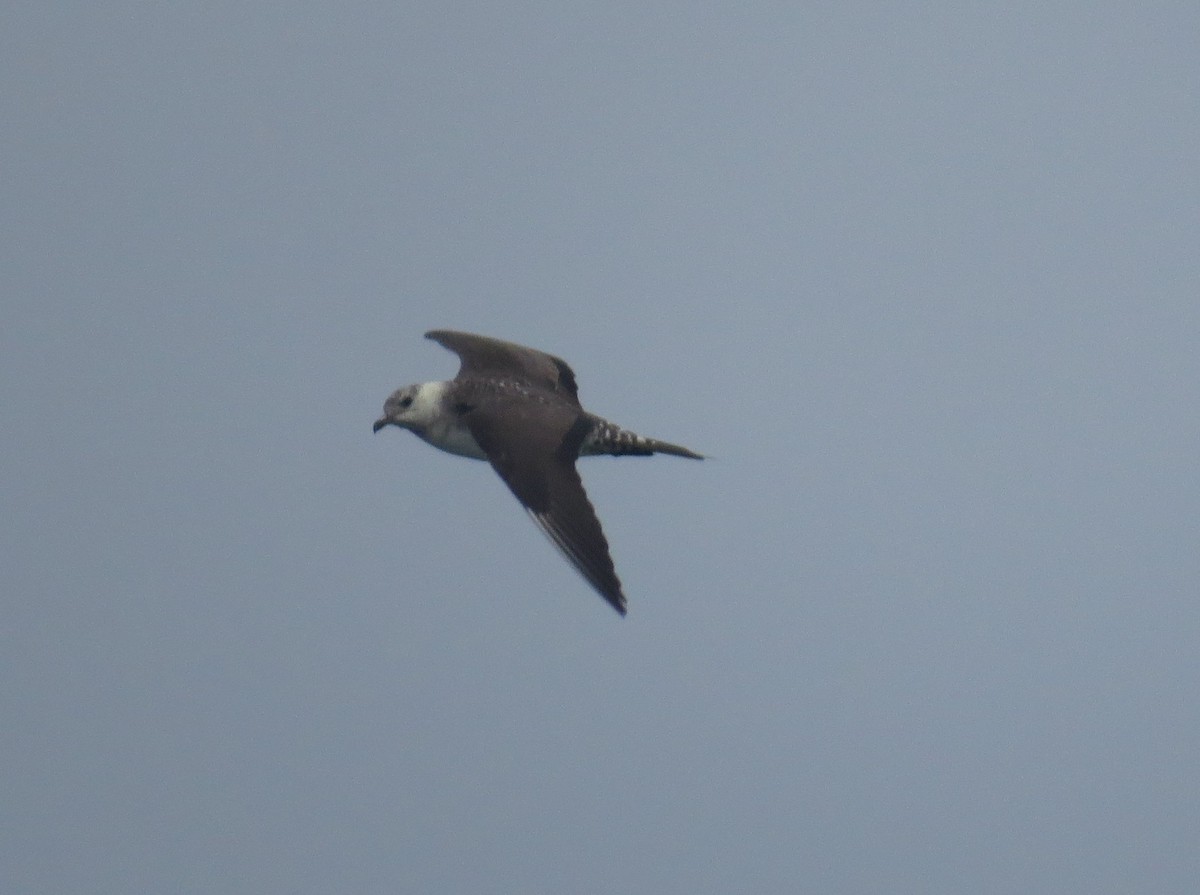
<point>412,407</point>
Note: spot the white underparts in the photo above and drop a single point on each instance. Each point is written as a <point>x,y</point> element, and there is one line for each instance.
<point>436,425</point>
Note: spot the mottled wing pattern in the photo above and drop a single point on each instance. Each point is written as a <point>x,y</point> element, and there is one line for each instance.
<point>487,358</point>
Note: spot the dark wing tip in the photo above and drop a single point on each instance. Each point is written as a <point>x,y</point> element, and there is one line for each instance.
<point>584,546</point>
<point>617,602</point>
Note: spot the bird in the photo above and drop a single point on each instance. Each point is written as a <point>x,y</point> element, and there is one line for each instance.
<point>518,408</point>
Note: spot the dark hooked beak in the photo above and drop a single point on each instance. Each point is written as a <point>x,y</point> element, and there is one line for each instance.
<point>380,423</point>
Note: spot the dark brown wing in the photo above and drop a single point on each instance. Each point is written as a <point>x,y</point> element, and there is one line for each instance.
<point>492,358</point>
<point>538,465</point>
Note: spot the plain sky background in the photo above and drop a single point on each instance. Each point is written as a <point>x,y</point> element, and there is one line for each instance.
<point>923,278</point>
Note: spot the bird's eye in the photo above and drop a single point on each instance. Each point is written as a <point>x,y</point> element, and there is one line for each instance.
<point>406,402</point>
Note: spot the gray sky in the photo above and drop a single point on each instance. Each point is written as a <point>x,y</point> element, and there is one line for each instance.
<point>923,282</point>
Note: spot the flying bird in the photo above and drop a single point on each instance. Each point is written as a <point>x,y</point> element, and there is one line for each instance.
<point>518,408</point>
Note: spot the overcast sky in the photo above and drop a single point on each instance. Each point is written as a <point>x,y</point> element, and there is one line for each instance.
<point>923,281</point>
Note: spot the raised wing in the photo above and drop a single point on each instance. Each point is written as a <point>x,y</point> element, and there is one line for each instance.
<point>492,358</point>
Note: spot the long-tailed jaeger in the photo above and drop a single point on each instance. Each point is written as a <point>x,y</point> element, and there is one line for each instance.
<point>518,409</point>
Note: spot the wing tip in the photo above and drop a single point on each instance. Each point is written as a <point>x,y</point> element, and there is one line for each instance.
<point>617,604</point>
<point>603,581</point>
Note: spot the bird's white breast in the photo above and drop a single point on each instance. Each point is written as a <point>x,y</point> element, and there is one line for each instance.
<point>439,426</point>
<point>453,437</point>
